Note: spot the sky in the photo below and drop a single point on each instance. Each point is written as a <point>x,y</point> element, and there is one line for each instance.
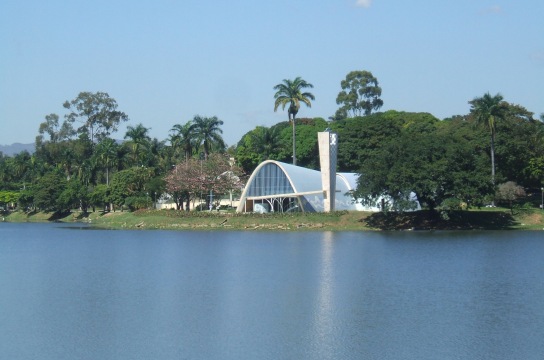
<point>165,61</point>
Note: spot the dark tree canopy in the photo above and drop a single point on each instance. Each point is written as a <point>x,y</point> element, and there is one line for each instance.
<point>414,153</point>
<point>361,136</point>
<point>46,192</point>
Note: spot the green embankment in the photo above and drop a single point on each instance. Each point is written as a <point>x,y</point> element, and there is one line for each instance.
<point>495,219</point>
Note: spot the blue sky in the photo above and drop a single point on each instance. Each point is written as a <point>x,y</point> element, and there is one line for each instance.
<point>165,61</point>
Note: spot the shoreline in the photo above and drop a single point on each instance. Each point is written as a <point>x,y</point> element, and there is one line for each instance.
<point>496,219</point>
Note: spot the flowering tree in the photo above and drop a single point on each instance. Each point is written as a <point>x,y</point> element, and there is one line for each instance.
<point>194,178</point>
<point>510,192</point>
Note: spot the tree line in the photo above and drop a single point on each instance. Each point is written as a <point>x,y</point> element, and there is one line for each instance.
<point>495,152</point>
<point>78,164</point>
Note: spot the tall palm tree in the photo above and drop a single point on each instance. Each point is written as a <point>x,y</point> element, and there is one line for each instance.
<point>107,156</point>
<point>488,109</point>
<point>183,137</point>
<point>139,142</point>
<point>290,92</point>
<point>207,133</point>
<point>67,161</point>
<point>85,171</point>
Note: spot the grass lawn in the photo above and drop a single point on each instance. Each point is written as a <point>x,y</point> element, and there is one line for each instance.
<point>490,219</point>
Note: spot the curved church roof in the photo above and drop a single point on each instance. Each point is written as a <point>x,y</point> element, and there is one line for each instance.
<point>272,182</point>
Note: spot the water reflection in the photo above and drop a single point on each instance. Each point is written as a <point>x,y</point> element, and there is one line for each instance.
<point>322,329</point>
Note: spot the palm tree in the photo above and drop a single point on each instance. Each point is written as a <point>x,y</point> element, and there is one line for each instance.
<point>139,142</point>
<point>488,109</point>
<point>290,92</point>
<point>107,155</point>
<point>183,137</point>
<point>22,166</point>
<point>67,161</point>
<point>207,134</point>
<point>85,171</point>
<point>157,156</point>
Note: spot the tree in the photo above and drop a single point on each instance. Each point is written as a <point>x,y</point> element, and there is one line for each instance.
<point>409,163</point>
<point>26,200</point>
<point>106,154</point>
<point>47,191</point>
<point>467,177</point>
<point>518,147</point>
<point>75,195</point>
<point>8,198</point>
<point>207,132</point>
<point>193,178</point>
<point>99,196</point>
<point>266,141</point>
<point>436,161</point>
<point>67,155</point>
<point>290,92</point>
<point>510,192</point>
<point>360,137</point>
<point>22,167</point>
<point>340,114</point>
<point>155,187</point>
<point>360,94</point>
<point>488,109</point>
<point>158,156</point>
<point>129,183</point>
<point>183,137</point>
<point>55,131</point>
<point>97,113</point>
<point>307,146</point>
<point>5,175</point>
<point>250,150</point>
<point>246,156</point>
<point>138,143</point>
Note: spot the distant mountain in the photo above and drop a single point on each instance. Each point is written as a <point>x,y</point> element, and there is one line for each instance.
<point>16,148</point>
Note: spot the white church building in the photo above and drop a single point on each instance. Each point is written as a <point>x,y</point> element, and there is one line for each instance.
<point>279,187</point>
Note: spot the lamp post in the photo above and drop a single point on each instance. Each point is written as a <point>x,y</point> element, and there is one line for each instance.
<point>542,200</point>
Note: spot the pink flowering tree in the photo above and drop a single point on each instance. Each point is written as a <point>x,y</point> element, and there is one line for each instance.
<point>194,179</point>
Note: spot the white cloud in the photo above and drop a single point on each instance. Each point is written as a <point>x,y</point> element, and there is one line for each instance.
<point>363,3</point>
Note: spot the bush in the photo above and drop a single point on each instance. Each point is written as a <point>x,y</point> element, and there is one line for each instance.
<point>451,204</point>
<point>137,202</point>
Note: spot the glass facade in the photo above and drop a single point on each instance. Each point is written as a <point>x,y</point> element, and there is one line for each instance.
<point>269,180</point>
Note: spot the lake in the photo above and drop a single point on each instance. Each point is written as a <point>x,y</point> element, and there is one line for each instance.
<point>70,292</point>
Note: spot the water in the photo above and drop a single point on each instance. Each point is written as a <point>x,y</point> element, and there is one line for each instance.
<point>71,293</point>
